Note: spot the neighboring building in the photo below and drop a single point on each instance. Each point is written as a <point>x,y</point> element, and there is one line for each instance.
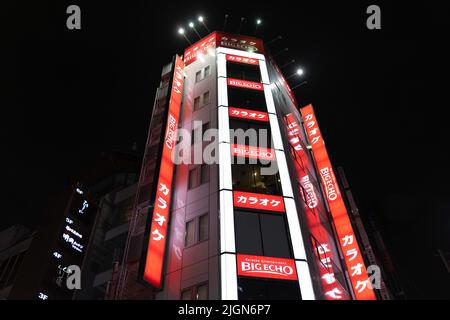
<point>107,241</point>
<point>227,230</point>
<point>80,230</point>
<point>14,244</point>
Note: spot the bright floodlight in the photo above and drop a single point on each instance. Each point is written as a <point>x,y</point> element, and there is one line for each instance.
<point>191,24</point>
<point>200,18</point>
<point>181,31</point>
<point>299,72</point>
<point>258,21</point>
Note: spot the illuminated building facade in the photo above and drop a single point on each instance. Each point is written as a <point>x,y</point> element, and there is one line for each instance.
<point>234,228</point>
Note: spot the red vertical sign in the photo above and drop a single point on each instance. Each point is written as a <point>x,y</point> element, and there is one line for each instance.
<point>347,240</point>
<point>153,268</point>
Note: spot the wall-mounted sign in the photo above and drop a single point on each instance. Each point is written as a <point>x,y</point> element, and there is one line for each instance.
<point>239,59</point>
<point>266,267</point>
<point>240,150</point>
<point>245,84</point>
<point>219,39</point>
<point>154,261</point>
<point>248,114</point>
<point>347,239</point>
<point>258,201</point>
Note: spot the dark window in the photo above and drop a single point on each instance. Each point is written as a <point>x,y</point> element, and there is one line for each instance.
<point>246,98</point>
<point>198,76</point>
<point>243,71</point>
<point>198,292</point>
<point>203,127</point>
<point>248,233</point>
<point>205,98</point>
<point>260,137</point>
<point>196,103</point>
<point>203,227</point>
<point>262,234</point>
<point>207,71</point>
<point>193,178</point>
<point>204,173</point>
<point>267,289</point>
<point>189,239</point>
<point>248,178</point>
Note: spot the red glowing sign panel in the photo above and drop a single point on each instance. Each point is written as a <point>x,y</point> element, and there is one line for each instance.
<point>240,150</point>
<point>239,59</point>
<point>245,84</point>
<point>158,232</point>
<point>347,240</point>
<point>219,39</point>
<point>248,114</point>
<point>266,267</point>
<point>258,201</point>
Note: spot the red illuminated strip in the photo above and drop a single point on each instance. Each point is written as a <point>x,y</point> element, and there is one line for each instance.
<point>234,58</point>
<point>245,84</point>
<point>258,201</point>
<point>153,268</point>
<point>347,240</point>
<point>266,267</point>
<point>199,48</point>
<point>248,114</point>
<point>240,150</point>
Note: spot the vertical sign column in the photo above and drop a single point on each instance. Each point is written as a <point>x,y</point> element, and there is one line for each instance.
<point>347,240</point>
<point>154,260</point>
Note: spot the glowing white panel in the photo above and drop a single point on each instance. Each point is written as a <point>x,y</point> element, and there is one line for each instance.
<point>222,92</point>
<point>221,65</point>
<point>294,229</point>
<point>228,277</point>
<point>227,242</point>
<point>264,72</point>
<point>269,99</point>
<point>284,174</point>
<point>276,134</point>
<point>225,181</point>
<point>224,124</point>
<point>304,280</point>
<point>241,53</point>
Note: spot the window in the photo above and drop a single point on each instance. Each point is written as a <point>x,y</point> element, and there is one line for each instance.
<point>196,103</point>
<point>259,134</point>
<point>198,292</point>
<point>193,178</point>
<point>207,71</point>
<point>203,227</point>
<point>190,233</point>
<point>204,173</point>
<point>186,294</point>
<point>202,292</point>
<point>202,74</point>
<point>267,289</point>
<point>206,98</point>
<point>262,234</point>
<point>204,127</point>
<point>248,178</point>
<point>198,76</point>
<point>246,98</point>
<point>243,71</point>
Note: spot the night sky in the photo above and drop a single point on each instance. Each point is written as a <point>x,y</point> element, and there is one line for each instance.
<point>380,97</point>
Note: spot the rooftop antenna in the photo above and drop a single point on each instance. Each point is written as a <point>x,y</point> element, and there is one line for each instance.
<point>287,63</point>
<point>280,52</point>
<point>225,23</point>
<point>273,40</point>
<point>240,25</point>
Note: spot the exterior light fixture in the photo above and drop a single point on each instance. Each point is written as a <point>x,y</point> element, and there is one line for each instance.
<point>181,31</point>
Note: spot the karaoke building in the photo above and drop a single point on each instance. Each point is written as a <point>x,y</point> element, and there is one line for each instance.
<point>235,228</point>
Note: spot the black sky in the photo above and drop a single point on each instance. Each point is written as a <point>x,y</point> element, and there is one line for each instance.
<point>380,97</point>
